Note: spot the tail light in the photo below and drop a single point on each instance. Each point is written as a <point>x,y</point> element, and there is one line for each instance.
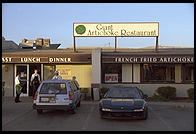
<point>35,96</point>
<point>70,95</point>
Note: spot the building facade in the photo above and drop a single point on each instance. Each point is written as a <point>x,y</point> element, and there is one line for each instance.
<point>97,68</point>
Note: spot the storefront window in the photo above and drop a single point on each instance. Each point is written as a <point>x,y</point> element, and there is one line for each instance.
<point>49,71</point>
<point>158,73</point>
<point>111,73</point>
<point>188,72</point>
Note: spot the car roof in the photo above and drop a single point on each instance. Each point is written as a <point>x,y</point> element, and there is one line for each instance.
<point>123,87</point>
<point>55,81</point>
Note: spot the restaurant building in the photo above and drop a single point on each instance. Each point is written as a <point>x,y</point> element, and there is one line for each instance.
<point>149,70</point>
<point>99,67</point>
<point>95,68</point>
<point>46,61</point>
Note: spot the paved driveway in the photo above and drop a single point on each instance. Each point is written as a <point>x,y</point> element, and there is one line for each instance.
<point>162,117</point>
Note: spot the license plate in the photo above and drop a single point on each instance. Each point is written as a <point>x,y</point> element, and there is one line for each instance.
<point>45,99</point>
<point>52,100</point>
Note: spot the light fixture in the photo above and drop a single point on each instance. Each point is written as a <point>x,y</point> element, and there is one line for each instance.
<point>5,68</point>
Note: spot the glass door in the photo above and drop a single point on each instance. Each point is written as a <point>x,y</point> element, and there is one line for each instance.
<point>24,71</point>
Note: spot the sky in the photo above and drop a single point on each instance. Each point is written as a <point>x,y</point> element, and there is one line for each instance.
<point>55,21</point>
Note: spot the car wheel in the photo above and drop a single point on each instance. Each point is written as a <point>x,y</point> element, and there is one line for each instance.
<point>39,111</point>
<point>101,115</point>
<point>78,105</point>
<point>72,111</point>
<point>145,114</point>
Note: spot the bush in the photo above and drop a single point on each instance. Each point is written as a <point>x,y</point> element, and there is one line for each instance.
<point>104,90</point>
<point>158,98</point>
<point>190,93</point>
<point>167,92</point>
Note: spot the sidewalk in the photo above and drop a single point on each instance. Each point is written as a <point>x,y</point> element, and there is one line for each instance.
<point>12,99</point>
<point>176,104</point>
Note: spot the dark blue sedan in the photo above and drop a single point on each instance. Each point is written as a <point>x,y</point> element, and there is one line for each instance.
<point>124,102</point>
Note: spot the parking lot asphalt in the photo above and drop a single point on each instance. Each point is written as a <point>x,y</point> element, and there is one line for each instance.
<point>162,117</point>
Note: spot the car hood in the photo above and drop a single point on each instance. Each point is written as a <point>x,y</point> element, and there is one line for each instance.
<point>122,103</point>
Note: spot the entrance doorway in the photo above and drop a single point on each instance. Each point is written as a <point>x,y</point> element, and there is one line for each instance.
<point>24,70</point>
<point>32,67</point>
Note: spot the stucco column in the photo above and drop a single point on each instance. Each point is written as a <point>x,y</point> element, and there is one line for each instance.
<point>136,73</point>
<point>178,73</point>
<point>96,73</point>
<point>127,73</point>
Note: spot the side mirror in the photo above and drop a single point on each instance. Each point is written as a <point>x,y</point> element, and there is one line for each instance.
<point>145,96</point>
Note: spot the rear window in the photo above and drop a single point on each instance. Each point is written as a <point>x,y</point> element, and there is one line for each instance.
<point>53,88</point>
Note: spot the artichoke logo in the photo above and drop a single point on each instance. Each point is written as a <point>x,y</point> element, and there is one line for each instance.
<point>80,29</point>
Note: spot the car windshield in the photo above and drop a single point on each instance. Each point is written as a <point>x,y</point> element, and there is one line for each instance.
<point>53,88</point>
<point>129,92</point>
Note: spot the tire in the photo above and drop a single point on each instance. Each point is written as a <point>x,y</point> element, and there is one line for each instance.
<point>101,115</point>
<point>145,114</point>
<point>78,105</point>
<point>72,111</point>
<point>39,111</point>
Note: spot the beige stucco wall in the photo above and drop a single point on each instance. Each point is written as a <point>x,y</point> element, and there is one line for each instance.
<point>96,66</point>
<point>8,77</point>
<point>136,72</point>
<point>126,72</point>
<point>96,71</point>
<point>149,89</point>
<point>178,73</point>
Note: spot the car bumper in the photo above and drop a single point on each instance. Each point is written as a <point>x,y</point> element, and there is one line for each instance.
<point>53,107</point>
<point>123,115</point>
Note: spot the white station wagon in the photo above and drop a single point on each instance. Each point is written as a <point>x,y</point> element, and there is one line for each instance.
<point>57,94</point>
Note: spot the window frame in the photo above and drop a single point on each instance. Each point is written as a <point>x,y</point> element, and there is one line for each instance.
<point>172,74</point>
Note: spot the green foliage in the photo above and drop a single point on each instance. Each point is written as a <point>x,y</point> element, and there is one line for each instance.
<point>158,98</point>
<point>190,93</point>
<point>104,90</point>
<point>167,92</point>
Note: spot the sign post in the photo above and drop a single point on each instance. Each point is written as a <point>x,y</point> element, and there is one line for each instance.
<point>74,42</point>
<point>115,43</point>
<point>156,49</point>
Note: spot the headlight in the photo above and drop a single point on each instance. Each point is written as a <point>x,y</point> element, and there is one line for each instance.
<point>106,109</point>
<point>138,110</point>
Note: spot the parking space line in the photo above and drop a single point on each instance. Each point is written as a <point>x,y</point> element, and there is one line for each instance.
<point>162,120</point>
<point>88,117</point>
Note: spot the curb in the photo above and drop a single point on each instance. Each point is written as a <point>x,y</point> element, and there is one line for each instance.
<point>176,104</point>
